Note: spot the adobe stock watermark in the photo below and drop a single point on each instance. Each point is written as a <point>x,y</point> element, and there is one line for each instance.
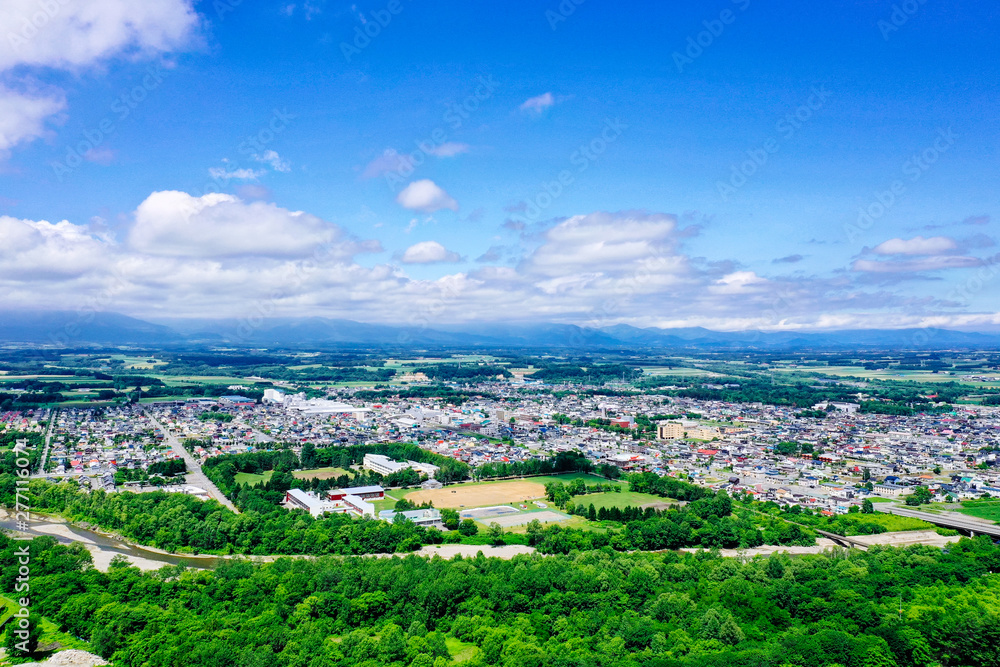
<point>900,16</point>
<point>582,158</point>
<point>224,7</point>
<point>563,11</point>
<point>370,28</point>
<point>786,129</point>
<point>121,108</point>
<point>636,283</point>
<point>87,311</point>
<point>20,622</point>
<point>714,29</point>
<point>33,22</point>
<point>985,276</point>
<point>913,169</point>
<point>454,117</point>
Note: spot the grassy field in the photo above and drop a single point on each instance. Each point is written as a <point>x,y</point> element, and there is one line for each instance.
<point>890,522</point>
<point>663,371</point>
<point>982,510</point>
<point>569,477</point>
<point>175,380</point>
<point>619,500</point>
<point>887,374</point>
<point>50,632</point>
<point>322,473</point>
<point>251,479</point>
<point>460,651</point>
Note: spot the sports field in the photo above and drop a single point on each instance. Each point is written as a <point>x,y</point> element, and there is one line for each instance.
<point>477,495</point>
<point>320,473</point>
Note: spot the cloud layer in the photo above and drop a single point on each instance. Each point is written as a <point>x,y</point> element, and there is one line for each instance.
<point>218,255</point>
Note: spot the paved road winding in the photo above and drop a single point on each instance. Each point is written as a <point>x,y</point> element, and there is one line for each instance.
<point>195,474</point>
<point>48,440</point>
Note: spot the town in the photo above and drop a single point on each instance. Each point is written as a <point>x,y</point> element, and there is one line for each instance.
<point>830,457</point>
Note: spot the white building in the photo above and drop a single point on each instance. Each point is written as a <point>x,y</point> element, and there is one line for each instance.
<point>273,396</point>
<point>383,465</point>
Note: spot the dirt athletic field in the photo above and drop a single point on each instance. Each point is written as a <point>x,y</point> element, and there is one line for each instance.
<point>478,495</point>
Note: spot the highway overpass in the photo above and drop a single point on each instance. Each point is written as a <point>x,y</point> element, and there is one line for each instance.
<point>954,520</point>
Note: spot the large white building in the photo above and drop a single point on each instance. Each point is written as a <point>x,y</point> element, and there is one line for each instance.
<point>337,501</point>
<point>273,396</point>
<point>383,465</point>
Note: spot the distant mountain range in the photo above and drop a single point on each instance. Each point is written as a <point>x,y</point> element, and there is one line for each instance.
<point>69,329</point>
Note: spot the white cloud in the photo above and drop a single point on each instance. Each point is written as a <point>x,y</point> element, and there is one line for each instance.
<point>425,196</point>
<point>449,149</point>
<point>70,35</point>
<point>915,265</point>
<point>403,165</point>
<point>23,115</point>
<point>240,174</point>
<point>428,252</point>
<point>271,158</point>
<point>918,245</point>
<point>738,282</point>
<point>539,103</point>
<point>102,155</point>
<point>42,250</point>
<point>608,242</point>
<point>219,225</point>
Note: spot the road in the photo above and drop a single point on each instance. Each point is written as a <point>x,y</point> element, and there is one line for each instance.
<point>945,520</point>
<point>195,474</point>
<point>48,440</point>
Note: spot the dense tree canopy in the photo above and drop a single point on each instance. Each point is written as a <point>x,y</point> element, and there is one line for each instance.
<point>912,607</point>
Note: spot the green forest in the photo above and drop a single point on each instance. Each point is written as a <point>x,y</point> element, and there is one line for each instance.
<point>887,607</point>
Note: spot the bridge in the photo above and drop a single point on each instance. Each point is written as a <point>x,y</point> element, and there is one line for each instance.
<point>842,540</point>
<point>952,520</point>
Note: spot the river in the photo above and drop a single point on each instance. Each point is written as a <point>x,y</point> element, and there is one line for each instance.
<point>104,548</point>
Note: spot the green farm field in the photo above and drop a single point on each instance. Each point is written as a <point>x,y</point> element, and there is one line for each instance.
<point>619,500</point>
<point>982,510</point>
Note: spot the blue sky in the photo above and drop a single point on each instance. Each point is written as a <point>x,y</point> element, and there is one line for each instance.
<point>731,164</point>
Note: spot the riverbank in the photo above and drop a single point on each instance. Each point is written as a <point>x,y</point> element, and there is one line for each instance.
<point>104,547</point>
<point>904,538</point>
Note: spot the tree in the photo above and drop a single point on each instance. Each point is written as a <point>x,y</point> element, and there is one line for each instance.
<point>921,495</point>
<point>22,639</point>
<point>534,530</point>
<point>392,645</point>
<point>450,519</point>
<point>730,632</point>
<point>468,528</point>
<point>308,456</point>
<point>496,534</point>
<point>867,507</point>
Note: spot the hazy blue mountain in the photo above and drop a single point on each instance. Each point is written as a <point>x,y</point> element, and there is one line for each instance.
<point>57,327</point>
<point>70,328</point>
